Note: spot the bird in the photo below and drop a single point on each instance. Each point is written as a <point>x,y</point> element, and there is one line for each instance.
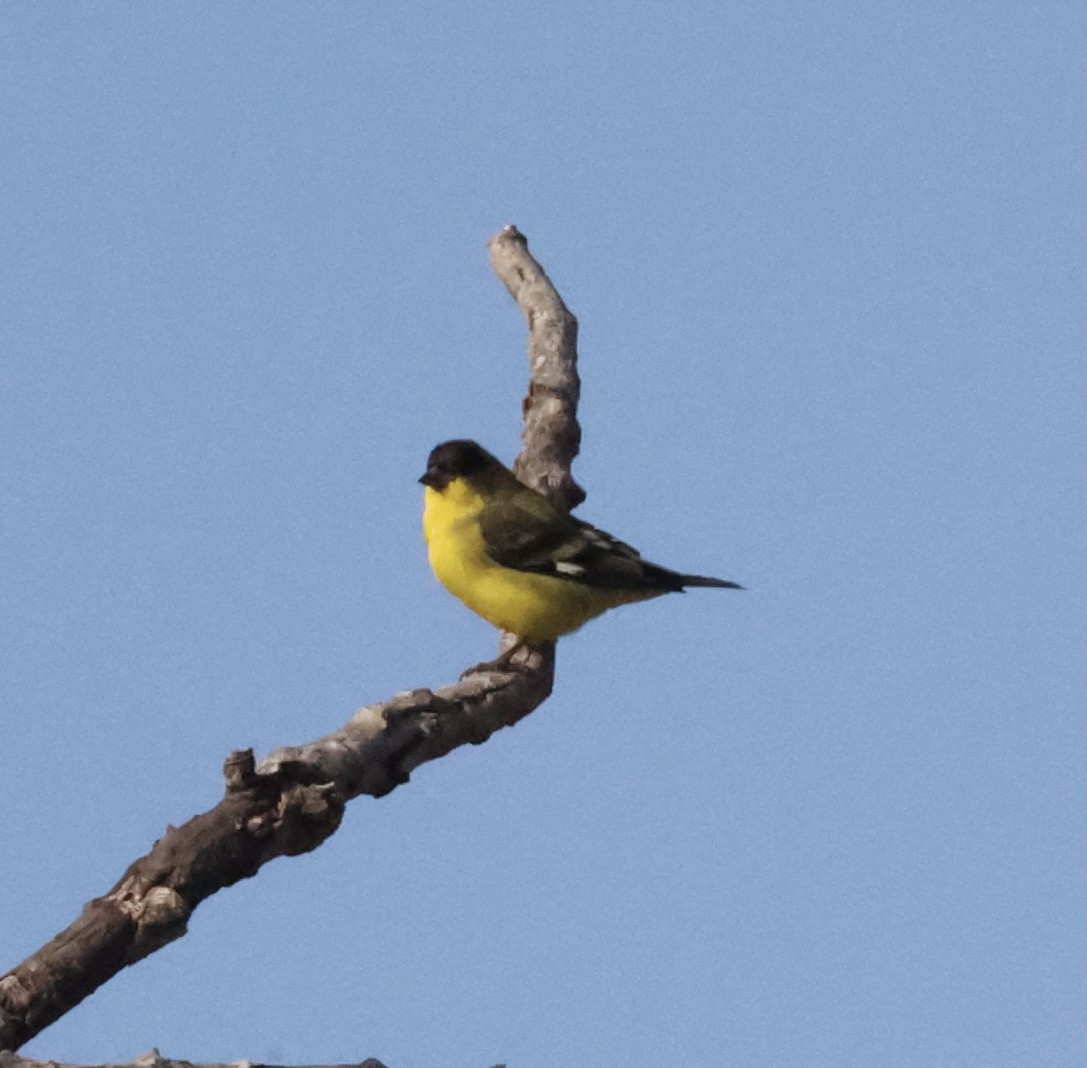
<point>522,564</point>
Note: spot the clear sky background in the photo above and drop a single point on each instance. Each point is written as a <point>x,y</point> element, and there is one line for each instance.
<point>827,260</point>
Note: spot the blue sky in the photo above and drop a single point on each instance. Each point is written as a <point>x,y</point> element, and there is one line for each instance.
<point>828,266</point>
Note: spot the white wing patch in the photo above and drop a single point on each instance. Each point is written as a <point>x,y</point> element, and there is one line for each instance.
<point>568,568</point>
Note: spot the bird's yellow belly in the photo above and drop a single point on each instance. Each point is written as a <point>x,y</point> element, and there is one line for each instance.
<point>534,607</point>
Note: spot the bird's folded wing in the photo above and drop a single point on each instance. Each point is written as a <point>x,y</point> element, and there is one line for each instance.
<point>529,535</point>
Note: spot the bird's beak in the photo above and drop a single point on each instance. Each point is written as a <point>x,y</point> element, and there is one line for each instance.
<point>429,479</point>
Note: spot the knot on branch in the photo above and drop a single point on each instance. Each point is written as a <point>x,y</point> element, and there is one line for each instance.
<point>164,916</point>
<point>160,915</point>
<point>304,817</point>
<point>240,770</point>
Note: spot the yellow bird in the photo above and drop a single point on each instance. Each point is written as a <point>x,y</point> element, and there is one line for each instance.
<point>513,558</point>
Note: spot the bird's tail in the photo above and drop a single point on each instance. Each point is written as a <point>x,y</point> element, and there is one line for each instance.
<point>703,580</point>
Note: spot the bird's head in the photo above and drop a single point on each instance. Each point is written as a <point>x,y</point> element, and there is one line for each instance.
<point>456,459</point>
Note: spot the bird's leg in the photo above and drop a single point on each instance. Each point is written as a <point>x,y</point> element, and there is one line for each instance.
<point>505,658</point>
<point>502,662</point>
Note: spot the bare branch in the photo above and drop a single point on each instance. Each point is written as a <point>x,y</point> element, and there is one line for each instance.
<point>294,799</point>
<point>154,1059</point>
<point>552,435</point>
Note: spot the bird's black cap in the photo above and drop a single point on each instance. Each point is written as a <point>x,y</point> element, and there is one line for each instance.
<point>456,459</point>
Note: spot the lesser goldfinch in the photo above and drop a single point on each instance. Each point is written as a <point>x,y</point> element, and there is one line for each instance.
<point>512,557</point>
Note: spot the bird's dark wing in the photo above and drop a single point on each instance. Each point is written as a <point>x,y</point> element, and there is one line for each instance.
<point>527,534</point>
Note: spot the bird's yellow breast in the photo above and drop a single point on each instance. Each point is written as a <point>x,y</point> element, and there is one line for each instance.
<point>534,607</point>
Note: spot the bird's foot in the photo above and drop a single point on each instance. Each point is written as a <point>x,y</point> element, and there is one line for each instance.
<point>502,662</point>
